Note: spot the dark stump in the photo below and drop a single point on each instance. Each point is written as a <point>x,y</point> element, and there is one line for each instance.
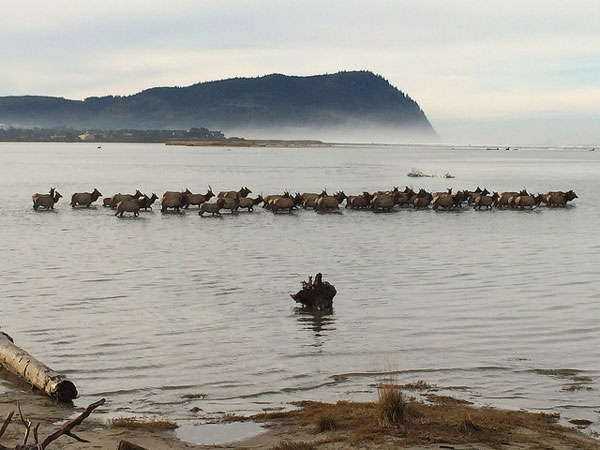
<point>316,295</point>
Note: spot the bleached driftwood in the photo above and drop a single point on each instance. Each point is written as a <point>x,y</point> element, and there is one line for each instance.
<point>40,376</point>
<point>66,429</point>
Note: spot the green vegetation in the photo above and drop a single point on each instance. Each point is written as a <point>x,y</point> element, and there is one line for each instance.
<point>355,98</point>
<point>62,134</point>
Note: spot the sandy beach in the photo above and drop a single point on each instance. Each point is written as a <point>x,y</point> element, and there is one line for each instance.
<point>445,423</point>
<point>237,142</point>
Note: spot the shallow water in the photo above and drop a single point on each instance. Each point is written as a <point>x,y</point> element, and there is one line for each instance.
<point>146,311</point>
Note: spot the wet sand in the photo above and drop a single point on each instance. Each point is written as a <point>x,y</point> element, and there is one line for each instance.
<point>233,142</point>
<point>446,424</point>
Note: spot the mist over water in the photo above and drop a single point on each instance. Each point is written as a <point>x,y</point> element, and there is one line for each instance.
<point>485,305</point>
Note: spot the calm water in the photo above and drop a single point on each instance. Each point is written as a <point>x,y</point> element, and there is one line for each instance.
<point>146,311</point>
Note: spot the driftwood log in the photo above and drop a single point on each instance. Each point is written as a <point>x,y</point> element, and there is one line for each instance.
<point>40,376</point>
<point>316,295</point>
<point>66,429</point>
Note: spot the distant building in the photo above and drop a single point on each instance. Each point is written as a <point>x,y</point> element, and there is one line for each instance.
<point>86,137</point>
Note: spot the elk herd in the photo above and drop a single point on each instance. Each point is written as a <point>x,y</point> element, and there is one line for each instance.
<point>379,201</point>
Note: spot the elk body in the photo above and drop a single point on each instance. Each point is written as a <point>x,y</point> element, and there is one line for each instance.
<point>198,199</point>
<point>174,200</point>
<point>329,202</point>
<point>359,201</point>
<point>46,201</point>
<point>132,206</point>
<point>212,208</point>
<point>383,202</point>
<point>559,198</point>
<point>85,198</point>
<point>243,192</point>
<point>486,201</point>
<point>309,199</point>
<point>286,202</point>
<point>527,201</point>
<point>115,199</point>
<point>147,202</point>
<point>250,203</point>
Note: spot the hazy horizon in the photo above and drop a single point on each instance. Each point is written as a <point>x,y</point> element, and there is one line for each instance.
<point>494,72</point>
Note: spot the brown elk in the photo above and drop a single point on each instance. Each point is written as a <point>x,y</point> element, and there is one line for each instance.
<point>132,205</point>
<point>309,199</point>
<point>289,203</point>
<point>198,199</point>
<point>485,200</point>
<point>444,200</point>
<point>120,197</point>
<point>329,202</point>
<point>243,192</point>
<point>46,201</point>
<point>212,208</point>
<point>85,198</point>
<point>359,201</point>
<point>173,199</point>
<point>147,202</point>
<point>527,201</point>
<point>250,203</point>
<point>474,194</point>
<point>422,199</point>
<point>231,203</point>
<point>384,202</point>
<point>270,200</point>
<point>559,198</point>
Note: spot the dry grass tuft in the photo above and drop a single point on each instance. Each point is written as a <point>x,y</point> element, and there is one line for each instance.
<point>391,406</point>
<point>141,423</point>
<point>289,445</point>
<point>325,422</point>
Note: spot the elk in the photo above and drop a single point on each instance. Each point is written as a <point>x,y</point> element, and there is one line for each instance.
<point>528,201</point>
<point>250,203</point>
<point>175,200</point>
<point>309,199</point>
<point>46,200</point>
<point>132,206</point>
<point>422,199</point>
<point>147,202</point>
<point>212,208</point>
<point>485,200</point>
<point>270,200</point>
<point>120,197</point>
<point>85,198</point>
<point>329,202</point>
<point>288,203</point>
<point>198,199</point>
<point>359,201</point>
<point>243,192</point>
<point>231,203</point>
<point>385,202</point>
<point>559,198</point>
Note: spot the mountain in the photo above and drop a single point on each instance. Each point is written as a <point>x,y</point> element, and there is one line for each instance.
<point>353,101</point>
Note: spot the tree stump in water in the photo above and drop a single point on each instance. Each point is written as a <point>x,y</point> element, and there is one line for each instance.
<point>316,295</point>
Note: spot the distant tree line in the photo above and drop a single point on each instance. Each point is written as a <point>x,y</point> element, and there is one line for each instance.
<point>65,134</point>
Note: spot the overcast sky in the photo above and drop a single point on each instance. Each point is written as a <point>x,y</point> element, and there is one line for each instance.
<point>483,71</point>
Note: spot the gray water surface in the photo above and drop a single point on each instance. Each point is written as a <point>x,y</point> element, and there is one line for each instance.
<point>147,311</point>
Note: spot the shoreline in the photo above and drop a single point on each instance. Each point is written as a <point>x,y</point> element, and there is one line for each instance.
<point>240,142</point>
<point>445,422</point>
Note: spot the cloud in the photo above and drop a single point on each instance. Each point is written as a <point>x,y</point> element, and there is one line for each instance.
<point>463,60</point>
